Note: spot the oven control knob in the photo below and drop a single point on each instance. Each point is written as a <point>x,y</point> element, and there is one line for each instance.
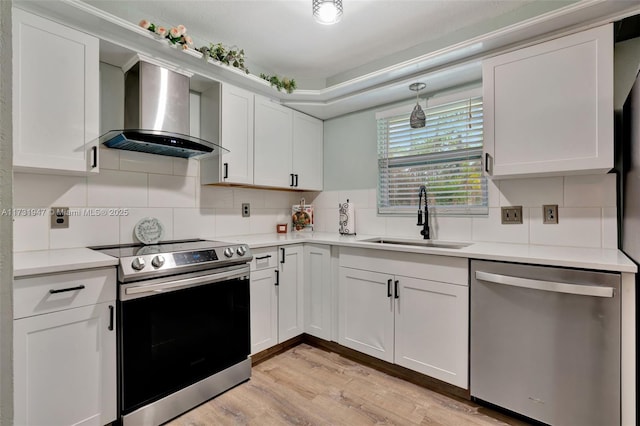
<point>138,263</point>
<point>158,261</point>
<point>241,251</point>
<point>228,252</point>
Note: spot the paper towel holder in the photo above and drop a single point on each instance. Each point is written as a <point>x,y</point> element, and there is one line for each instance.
<point>345,221</point>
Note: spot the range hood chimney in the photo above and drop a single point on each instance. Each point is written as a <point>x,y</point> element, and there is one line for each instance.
<point>156,115</point>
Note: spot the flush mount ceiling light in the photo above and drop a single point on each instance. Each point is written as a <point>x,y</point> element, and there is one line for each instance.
<point>327,12</point>
<point>417,118</point>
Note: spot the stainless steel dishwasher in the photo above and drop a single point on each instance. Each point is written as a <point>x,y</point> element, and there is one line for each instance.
<point>545,342</point>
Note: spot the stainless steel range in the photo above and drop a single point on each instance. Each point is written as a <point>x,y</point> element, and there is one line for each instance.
<point>183,325</point>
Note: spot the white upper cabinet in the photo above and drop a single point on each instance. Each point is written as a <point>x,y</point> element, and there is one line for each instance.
<point>227,117</point>
<point>548,108</point>
<point>288,147</point>
<point>55,97</point>
<point>273,144</point>
<point>308,136</point>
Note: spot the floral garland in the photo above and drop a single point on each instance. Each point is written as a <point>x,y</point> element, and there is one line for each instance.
<point>230,56</point>
<point>288,84</point>
<point>175,35</point>
<point>226,55</point>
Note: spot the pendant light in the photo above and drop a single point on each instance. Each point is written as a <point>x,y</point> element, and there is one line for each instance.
<point>417,118</point>
<point>327,12</point>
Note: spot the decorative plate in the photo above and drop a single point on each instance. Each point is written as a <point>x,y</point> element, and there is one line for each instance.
<point>149,230</point>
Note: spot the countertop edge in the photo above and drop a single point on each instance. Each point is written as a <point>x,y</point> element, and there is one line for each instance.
<point>43,262</point>
<point>613,260</point>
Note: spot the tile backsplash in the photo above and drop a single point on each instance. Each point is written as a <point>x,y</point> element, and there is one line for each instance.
<point>586,211</point>
<point>143,185</point>
<point>169,189</point>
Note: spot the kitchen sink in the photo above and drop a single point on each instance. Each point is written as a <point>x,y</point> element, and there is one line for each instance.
<point>417,243</point>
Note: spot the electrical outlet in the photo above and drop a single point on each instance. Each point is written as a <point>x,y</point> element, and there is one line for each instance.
<point>246,209</point>
<point>511,215</point>
<point>550,214</point>
<point>59,217</point>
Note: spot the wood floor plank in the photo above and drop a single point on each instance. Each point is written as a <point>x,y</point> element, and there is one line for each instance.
<point>306,385</point>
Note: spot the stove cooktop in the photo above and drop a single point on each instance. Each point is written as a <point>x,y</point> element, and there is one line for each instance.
<point>139,261</point>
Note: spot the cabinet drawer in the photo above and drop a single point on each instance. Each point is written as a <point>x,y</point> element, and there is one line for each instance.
<point>447,269</point>
<point>55,292</point>
<point>264,258</point>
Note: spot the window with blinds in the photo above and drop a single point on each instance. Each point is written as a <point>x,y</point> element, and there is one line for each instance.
<point>445,156</point>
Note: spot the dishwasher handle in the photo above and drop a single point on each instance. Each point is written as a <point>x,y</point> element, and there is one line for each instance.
<point>578,289</point>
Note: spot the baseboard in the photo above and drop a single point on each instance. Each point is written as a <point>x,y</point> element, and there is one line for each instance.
<point>275,350</point>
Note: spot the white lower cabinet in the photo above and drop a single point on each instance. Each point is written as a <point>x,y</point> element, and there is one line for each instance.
<point>65,349</point>
<point>276,295</point>
<point>431,325</point>
<point>408,309</point>
<point>317,290</point>
<point>264,309</point>
<point>290,292</point>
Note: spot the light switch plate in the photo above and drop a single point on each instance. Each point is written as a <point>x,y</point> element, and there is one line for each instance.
<point>511,215</point>
<point>550,214</point>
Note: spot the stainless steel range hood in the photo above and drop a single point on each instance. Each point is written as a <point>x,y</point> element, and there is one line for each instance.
<point>156,115</point>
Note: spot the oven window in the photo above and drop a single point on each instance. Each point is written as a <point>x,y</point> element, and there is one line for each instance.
<point>174,339</point>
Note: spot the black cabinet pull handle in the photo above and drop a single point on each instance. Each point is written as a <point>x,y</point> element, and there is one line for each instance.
<point>395,284</point>
<point>226,170</point>
<point>263,257</point>
<point>277,278</point>
<point>296,184</point>
<point>282,250</point>
<point>291,177</point>
<point>389,287</point>
<point>487,157</point>
<point>62,290</point>
<point>110,328</point>
<point>94,155</point>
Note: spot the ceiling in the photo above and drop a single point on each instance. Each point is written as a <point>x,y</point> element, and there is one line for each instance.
<point>367,60</point>
<point>281,36</point>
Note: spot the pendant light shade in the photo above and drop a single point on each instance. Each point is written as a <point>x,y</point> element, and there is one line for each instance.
<point>417,118</point>
<point>327,12</point>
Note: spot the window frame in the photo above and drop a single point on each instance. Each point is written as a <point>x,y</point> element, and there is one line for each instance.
<point>476,155</point>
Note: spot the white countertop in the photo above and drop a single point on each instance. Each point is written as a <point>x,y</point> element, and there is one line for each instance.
<point>571,257</point>
<point>61,260</point>
<point>50,261</point>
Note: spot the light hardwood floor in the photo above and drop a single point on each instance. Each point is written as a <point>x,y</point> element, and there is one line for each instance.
<point>308,386</point>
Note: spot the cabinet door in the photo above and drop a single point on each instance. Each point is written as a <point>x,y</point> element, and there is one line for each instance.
<point>264,309</point>
<point>273,141</point>
<point>55,96</point>
<point>65,367</point>
<point>307,151</point>
<point>432,329</point>
<point>236,134</point>
<point>317,290</point>
<point>226,115</point>
<point>290,293</point>
<point>548,108</point>
<point>365,312</point>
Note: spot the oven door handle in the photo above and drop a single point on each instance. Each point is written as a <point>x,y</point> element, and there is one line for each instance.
<point>185,283</point>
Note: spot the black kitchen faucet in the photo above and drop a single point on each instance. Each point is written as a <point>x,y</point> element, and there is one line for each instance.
<point>425,223</point>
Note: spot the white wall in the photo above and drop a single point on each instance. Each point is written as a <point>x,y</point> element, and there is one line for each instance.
<point>587,204</point>
<point>6,259</point>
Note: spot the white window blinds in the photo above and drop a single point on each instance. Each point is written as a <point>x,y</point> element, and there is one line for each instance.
<point>445,155</point>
